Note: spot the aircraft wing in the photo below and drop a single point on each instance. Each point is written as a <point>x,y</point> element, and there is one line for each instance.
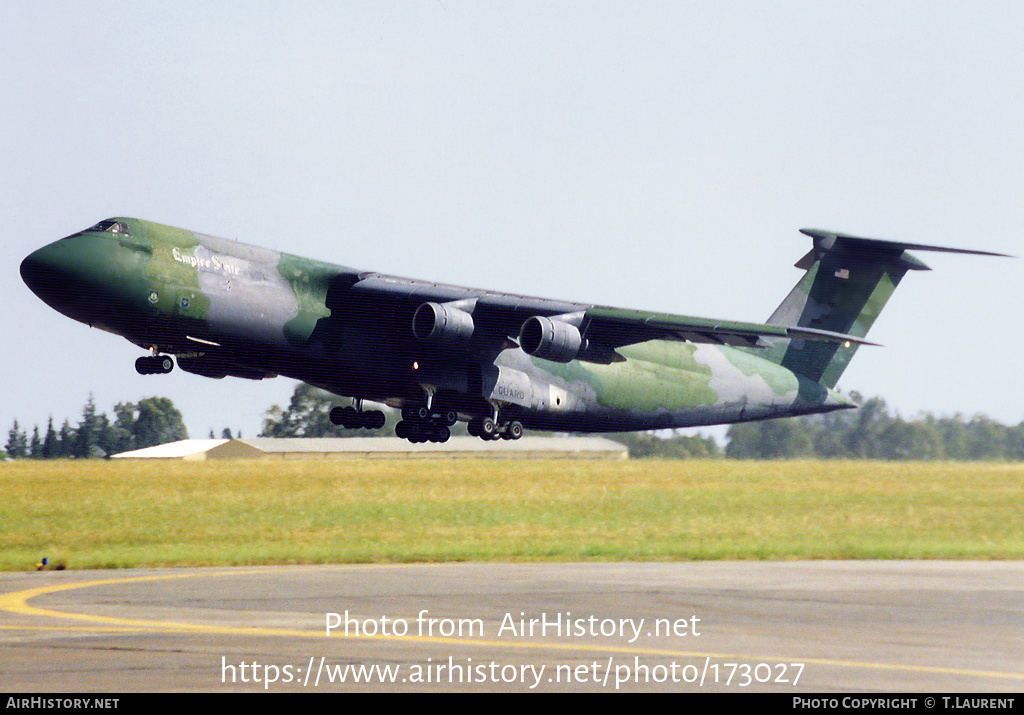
<point>552,329</point>
<point>615,327</point>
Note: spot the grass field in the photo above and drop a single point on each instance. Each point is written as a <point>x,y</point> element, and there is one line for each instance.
<point>100,514</point>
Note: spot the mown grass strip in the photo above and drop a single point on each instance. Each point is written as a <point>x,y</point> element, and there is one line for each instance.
<point>99,514</point>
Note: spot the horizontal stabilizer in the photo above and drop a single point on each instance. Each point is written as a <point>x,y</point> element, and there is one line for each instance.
<point>874,249</point>
<point>828,336</point>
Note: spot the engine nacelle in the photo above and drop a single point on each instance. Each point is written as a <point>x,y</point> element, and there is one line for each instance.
<point>442,323</point>
<point>550,339</point>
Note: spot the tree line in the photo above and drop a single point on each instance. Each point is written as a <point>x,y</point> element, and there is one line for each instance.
<point>873,432</point>
<point>134,425</point>
<point>870,432</point>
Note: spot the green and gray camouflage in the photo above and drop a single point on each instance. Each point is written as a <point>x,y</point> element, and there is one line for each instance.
<point>444,353</point>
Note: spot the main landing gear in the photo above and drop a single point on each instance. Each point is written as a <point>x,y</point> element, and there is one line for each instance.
<point>419,424</point>
<point>352,418</point>
<point>154,365</point>
<point>487,428</point>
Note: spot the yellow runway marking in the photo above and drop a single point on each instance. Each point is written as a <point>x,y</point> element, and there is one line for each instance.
<point>16,602</point>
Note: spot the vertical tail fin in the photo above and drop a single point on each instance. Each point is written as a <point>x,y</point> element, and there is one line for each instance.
<point>848,281</point>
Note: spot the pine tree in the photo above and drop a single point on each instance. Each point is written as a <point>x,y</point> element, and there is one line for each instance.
<point>17,442</point>
<point>50,441</point>
<point>66,441</point>
<point>88,429</point>
<point>36,446</point>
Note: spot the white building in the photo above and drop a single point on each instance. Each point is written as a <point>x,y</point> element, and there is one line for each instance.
<point>381,448</point>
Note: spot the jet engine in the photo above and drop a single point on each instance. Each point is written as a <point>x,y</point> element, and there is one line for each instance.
<point>442,323</point>
<point>550,339</point>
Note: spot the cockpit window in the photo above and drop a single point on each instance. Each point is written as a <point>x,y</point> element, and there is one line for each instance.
<point>111,226</point>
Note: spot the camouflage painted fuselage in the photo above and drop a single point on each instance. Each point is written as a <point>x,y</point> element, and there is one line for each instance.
<point>225,308</point>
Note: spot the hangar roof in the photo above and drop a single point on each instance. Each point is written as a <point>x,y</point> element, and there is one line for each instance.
<point>385,446</point>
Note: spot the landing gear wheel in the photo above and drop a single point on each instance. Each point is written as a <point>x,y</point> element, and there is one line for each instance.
<point>351,418</point>
<point>154,364</point>
<point>417,431</point>
<point>340,416</point>
<point>402,430</point>
<point>374,419</point>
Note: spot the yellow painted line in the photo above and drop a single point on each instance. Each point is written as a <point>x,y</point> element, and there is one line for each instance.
<point>82,629</point>
<point>17,602</point>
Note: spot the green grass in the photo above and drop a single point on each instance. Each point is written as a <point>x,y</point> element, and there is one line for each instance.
<point>100,514</point>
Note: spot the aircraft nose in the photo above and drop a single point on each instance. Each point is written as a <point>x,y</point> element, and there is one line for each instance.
<point>40,270</point>
<point>50,273</point>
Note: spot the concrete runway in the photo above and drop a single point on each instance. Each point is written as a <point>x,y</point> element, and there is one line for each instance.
<point>789,627</point>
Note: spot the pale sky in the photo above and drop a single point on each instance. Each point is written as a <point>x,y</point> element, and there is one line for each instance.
<point>654,155</point>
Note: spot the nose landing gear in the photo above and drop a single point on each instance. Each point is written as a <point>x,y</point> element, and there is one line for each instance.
<point>154,365</point>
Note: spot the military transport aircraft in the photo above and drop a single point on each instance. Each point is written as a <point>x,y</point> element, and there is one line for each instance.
<point>443,353</point>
